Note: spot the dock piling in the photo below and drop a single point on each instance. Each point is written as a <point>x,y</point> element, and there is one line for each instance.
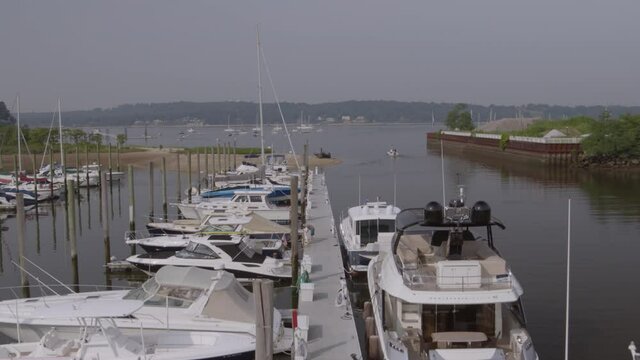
<point>132,200</point>
<point>151,191</point>
<point>189,175</point>
<point>71,224</point>
<point>164,188</point>
<point>178,179</point>
<point>105,220</point>
<point>20,217</point>
<point>293,218</point>
<point>206,167</point>
<point>198,170</point>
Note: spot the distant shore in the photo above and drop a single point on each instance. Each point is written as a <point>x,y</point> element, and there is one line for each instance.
<point>141,159</point>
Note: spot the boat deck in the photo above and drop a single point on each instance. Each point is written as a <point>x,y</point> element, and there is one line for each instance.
<point>332,329</point>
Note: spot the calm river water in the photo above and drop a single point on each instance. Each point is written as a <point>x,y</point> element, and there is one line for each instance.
<point>530,199</point>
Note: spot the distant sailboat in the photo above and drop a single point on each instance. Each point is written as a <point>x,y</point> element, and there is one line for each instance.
<point>433,119</point>
<point>229,129</point>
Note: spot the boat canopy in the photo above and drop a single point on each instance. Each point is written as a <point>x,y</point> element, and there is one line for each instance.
<point>193,277</point>
<point>259,224</point>
<point>230,301</point>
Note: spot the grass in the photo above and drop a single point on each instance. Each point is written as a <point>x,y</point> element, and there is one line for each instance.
<point>574,126</point>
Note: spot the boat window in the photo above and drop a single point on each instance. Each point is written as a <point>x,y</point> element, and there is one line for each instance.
<point>146,290</point>
<point>242,199</point>
<point>369,229</point>
<point>181,297</point>
<point>197,251</point>
<point>255,198</point>
<point>467,318</point>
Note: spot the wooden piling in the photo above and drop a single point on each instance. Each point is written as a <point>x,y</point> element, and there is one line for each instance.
<point>260,352</point>
<point>206,167</point>
<point>71,223</point>
<point>35,180</point>
<point>198,170</point>
<point>77,168</point>
<point>165,205</point>
<point>267,306</point>
<point>235,152</point>
<point>369,327</point>
<point>151,191</point>
<point>213,170</point>
<point>178,180</point>
<point>20,217</point>
<point>367,310</point>
<point>293,217</point>
<point>110,169</point>
<point>105,220</point>
<point>373,347</point>
<point>15,171</point>
<point>219,159</point>
<point>118,157</point>
<point>132,200</point>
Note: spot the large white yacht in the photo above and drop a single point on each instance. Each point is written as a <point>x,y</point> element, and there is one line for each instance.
<point>441,292</point>
<point>359,230</point>
<point>177,299</point>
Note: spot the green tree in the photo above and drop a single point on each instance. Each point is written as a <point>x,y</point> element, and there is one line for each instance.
<point>121,139</point>
<point>459,118</point>
<point>620,137</point>
<point>5,115</point>
<point>75,135</point>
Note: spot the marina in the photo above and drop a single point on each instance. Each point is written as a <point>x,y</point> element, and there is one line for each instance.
<point>47,237</point>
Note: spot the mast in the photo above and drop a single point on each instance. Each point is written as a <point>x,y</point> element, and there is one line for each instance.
<point>60,135</point>
<point>260,95</point>
<point>19,136</point>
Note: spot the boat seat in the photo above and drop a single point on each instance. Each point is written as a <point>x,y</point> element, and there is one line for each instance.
<point>409,315</point>
<point>413,250</point>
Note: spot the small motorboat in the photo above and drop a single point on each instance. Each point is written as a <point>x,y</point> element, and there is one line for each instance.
<point>393,152</point>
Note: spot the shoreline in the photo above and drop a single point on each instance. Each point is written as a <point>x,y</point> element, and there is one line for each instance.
<point>141,160</point>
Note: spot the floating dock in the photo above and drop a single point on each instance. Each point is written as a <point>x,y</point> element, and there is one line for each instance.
<point>332,330</point>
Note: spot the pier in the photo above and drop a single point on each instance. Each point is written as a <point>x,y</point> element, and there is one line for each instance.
<point>332,331</point>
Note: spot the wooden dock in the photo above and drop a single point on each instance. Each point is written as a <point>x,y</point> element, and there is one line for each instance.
<point>332,331</point>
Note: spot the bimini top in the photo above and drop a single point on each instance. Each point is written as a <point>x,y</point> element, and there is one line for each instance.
<point>193,277</point>
<point>434,215</point>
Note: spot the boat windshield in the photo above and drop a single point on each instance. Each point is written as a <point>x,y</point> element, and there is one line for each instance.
<point>155,295</point>
<point>218,228</point>
<point>195,250</point>
<point>369,229</point>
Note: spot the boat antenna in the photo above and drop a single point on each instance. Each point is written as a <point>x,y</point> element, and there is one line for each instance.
<point>275,96</point>
<point>566,331</point>
<point>260,94</point>
<point>19,137</point>
<point>359,192</point>
<point>444,193</point>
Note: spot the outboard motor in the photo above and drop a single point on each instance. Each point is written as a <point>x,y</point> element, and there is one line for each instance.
<point>433,213</point>
<point>481,213</point>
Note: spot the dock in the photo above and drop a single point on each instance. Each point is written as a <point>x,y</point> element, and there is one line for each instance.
<point>332,330</point>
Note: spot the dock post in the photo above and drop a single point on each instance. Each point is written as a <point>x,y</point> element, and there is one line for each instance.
<point>198,169</point>
<point>105,220</point>
<point>235,153</point>
<point>71,222</point>
<point>178,180</point>
<point>225,168</point>
<point>293,216</point>
<point>189,175</point>
<point>303,185</point>
<point>50,173</point>
<point>213,170</point>
<point>151,191</point>
<point>132,200</point>
<point>15,171</point>
<point>87,168</point>
<point>229,156</point>
<point>35,180</point>
<point>118,157</point>
<point>77,168</point>
<point>164,188</point>
<point>206,167</point>
<point>110,168</point>
<point>24,282</point>
<point>267,299</point>
<point>259,321</point>
<point>219,159</point>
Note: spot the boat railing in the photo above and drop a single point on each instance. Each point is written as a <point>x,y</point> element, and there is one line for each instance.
<point>18,291</point>
<point>136,235</point>
<point>421,280</point>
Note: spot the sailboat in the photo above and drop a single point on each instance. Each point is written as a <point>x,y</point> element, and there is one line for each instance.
<point>229,130</point>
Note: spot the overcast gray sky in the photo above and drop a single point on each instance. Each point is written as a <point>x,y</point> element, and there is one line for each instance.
<point>106,53</point>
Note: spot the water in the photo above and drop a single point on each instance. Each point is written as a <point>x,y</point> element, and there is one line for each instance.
<point>531,200</point>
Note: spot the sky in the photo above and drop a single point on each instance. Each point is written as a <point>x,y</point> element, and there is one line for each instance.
<point>106,53</point>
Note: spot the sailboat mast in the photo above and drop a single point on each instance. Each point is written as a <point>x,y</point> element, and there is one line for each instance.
<point>19,135</point>
<point>260,96</point>
<point>60,135</point>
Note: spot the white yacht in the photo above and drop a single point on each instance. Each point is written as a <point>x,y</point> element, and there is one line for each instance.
<point>393,152</point>
<point>440,292</point>
<point>255,201</point>
<point>216,223</point>
<point>245,258</point>
<point>177,299</point>
<point>179,242</point>
<point>360,228</point>
<point>100,338</point>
